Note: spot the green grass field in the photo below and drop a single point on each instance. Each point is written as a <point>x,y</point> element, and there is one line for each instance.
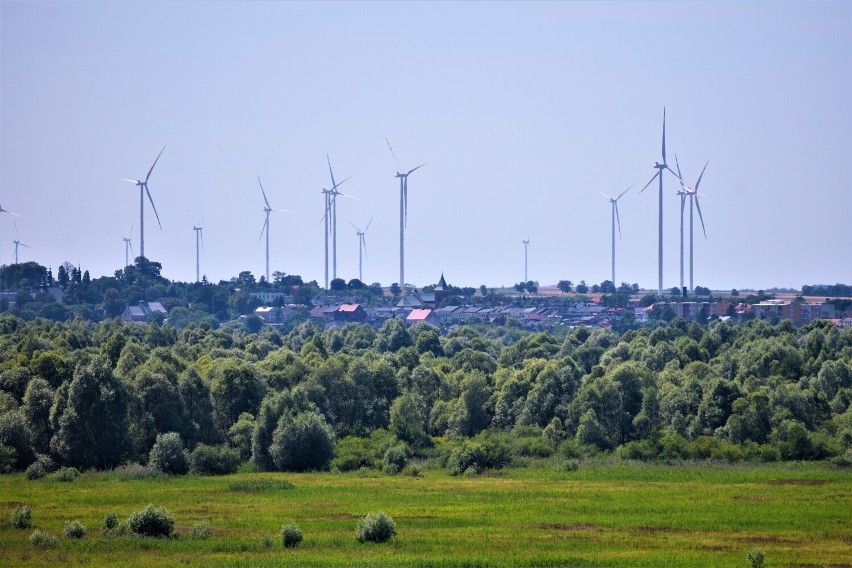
<point>600,515</point>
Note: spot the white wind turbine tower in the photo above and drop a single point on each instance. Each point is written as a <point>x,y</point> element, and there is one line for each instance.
<point>18,243</point>
<point>526,246</point>
<point>693,194</point>
<point>127,246</point>
<point>615,220</point>
<point>661,167</point>
<point>268,209</point>
<point>199,237</point>
<point>362,246</point>
<point>332,197</point>
<point>11,213</point>
<point>403,212</point>
<point>143,189</point>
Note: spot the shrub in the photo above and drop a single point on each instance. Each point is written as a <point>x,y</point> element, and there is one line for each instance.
<point>110,524</point>
<point>138,471</point>
<point>168,454</point>
<point>569,465</point>
<point>22,517</point>
<point>43,540</point>
<point>375,527</point>
<point>291,536</point>
<point>152,522</point>
<point>73,529</point>
<point>413,470</point>
<point>65,474</point>
<point>353,453</point>
<point>35,471</point>
<point>201,530</point>
<point>464,456</point>
<point>214,460</point>
<point>304,443</point>
<point>843,461</point>
<point>396,458</point>
<point>755,558</point>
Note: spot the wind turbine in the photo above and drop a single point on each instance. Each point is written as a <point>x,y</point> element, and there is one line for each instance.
<point>17,243</point>
<point>403,211</point>
<point>200,237</point>
<point>362,246</point>
<point>615,219</point>
<point>693,194</point>
<point>526,245</point>
<point>661,167</point>
<point>127,246</point>
<point>332,197</point>
<point>268,209</point>
<point>143,189</point>
<point>10,213</point>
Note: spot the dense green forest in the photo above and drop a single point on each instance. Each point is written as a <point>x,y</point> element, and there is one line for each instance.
<point>86,395</point>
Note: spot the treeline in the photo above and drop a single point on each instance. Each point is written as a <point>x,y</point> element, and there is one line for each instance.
<point>835,290</point>
<point>90,395</point>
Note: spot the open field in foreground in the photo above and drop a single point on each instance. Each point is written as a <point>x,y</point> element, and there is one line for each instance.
<point>600,515</point>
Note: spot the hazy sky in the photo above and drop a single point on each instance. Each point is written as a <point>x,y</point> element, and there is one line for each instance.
<point>522,111</point>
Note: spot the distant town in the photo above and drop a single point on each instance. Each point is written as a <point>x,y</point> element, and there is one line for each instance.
<point>139,293</point>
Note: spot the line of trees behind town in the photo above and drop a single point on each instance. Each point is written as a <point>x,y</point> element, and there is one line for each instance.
<point>87,395</point>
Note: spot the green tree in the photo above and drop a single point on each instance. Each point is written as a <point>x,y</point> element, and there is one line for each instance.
<point>92,429</point>
<point>38,401</point>
<point>407,421</point>
<point>304,442</point>
<point>565,286</point>
<point>168,454</point>
<point>234,388</point>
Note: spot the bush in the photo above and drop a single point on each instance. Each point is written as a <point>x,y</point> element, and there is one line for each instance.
<point>755,558</point>
<point>35,471</point>
<point>291,536</point>
<point>467,455</point>
<point>214,460</point>
<point>138,471</point>
<point>396,458</point>
<point>843,461</point>
<point>201,530</point>
<point>569,465</point>
<point>413,470</point>
<point>375,527</point>
<point>168,454</point>
<point>43,540</point>
<point>110,524</point>
<point>73,529</point>
<point>152,522</point>
<point>65,474</point>
<point>22,517</point>
<point>304,443</point>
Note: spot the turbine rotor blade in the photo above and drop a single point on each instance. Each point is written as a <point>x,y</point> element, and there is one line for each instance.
<point>350,196</point>
<point>133,181</point>
<point>678,168</point>
<point>154,207</point>
<point>265,200</point>
<point>154,164</point>
<point>357,230</point>
<point>405,199</point>
<point>701,176</point>
<point>364,243</point>
<point>625,191</point>
<point>265,225</point>
<point>395,159</point>
<point>700,216</point>
<point>283,211</point>
<point>649,183</point>
<point>368,225</point>
<point>604,194</point>
<point>329,170</point>
<point>415,169</point>
<point>617,217</point>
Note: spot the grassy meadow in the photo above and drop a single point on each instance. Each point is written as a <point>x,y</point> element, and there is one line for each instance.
<point>600,515</point>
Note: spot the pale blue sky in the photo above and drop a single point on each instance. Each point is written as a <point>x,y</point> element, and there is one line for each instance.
<point>522,110</point>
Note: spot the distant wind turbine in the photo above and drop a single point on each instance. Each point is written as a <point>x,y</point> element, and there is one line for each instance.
<point>18,243</point>
<point>265,229</point>
<point>526,246</point>
<point>615,219</point>
<point>693,195</point>
<point>661,167</point>
<point>10,213</point>
<point>143,189</point>
<point>127,246</point>
<point>362,246</point>
<point>403,211</point>
<point>332,196</point>
<point>199,237</point>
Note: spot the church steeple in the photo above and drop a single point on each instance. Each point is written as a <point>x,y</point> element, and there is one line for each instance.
<point>442,284</point>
